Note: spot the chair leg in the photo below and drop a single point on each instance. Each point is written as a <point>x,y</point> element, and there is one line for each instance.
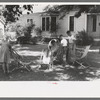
<point>3,67</point>
<point>80,64</point>
<point>7,68</point>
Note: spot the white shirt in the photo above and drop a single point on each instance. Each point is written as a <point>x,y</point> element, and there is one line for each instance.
<point>71,38</point>
<point>64,42</point>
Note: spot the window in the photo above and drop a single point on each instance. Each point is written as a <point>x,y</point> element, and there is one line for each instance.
<point>27,20</point>
<point>94,23</point>
<point>30,21</point>
<point>53,23</point>
<point>71,23</point>
<point>45,24</point>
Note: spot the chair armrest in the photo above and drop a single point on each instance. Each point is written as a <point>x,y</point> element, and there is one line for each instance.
<point>79,48</point>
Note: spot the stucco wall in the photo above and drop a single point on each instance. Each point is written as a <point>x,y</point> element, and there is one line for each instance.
<point>36,19</point>
<point>79,23</point>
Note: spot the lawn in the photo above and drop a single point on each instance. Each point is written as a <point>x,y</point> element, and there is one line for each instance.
<point>31,53</point>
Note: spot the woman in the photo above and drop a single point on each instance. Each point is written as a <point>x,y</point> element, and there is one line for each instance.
<point>5,52</point>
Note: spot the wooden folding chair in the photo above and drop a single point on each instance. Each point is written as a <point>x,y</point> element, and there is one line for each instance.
<point>18,59</point>
<point>80,54</point>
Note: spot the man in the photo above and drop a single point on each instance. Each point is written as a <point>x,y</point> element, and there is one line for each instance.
<point>71,45</point>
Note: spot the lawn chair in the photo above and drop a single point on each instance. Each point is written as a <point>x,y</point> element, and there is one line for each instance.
<point>18,59</point>
<point>80,54</point>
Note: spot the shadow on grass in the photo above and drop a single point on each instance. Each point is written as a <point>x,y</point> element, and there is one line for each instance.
<point>60,73</point>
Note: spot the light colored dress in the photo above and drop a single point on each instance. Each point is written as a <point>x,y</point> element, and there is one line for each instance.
<point>46,57</point>
<point>5,52</point>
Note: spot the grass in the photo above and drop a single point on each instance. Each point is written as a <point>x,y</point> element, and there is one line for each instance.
<point>31,53</point>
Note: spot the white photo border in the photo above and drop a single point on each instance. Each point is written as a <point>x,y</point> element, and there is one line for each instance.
<point>48,89</point>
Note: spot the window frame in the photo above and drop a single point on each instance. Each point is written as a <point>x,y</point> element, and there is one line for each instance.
<point>71,29</point>
<point>46,28</point>
<point>94,23</point>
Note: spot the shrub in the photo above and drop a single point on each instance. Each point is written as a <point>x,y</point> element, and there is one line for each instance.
<point>34,40</point>
<point>38,31</point>
<point>22,40</point>
<point>26,32</point>
<point>83,39</point>
<point>28,29</point>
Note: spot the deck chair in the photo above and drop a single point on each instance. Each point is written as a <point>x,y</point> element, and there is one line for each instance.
<point>18,59</point>
<point>80,54</point>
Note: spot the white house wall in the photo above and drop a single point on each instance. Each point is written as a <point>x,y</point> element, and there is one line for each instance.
<point>63,25</point>
<point>79,23</point>
<point>36,19</point>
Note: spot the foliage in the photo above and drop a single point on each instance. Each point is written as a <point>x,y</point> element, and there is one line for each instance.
<point>27,40</point>
<point>64,9</point>
<point>34,40</point>
<point>83,38</point>
<point>38,31</point>
<point>19,30</point>
<point>10,27</point>
<point>28,29</point>
<point>55,29</point>
<point>13,12</point>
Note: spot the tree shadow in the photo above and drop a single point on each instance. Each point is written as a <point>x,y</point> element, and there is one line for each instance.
<point>60,72</point>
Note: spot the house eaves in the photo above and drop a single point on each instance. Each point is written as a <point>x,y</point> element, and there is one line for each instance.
<point>49,14</point>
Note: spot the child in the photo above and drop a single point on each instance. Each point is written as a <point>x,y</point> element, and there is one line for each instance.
<point>5,51</point>
<point>48,54</point>
<point>64,45</point>
<point>46,59</point>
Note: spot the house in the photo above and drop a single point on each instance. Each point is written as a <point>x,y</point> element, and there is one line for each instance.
<point>89,22</point>
<point>52,25</point>
<point>45,21</point>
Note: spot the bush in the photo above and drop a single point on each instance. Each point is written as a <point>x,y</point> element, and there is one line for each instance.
<point>34,40</point>
<point>28,29</point>
<point>38,31</point>
<point>27,40</point>
<point>83,39</point>
<point>23,40</point>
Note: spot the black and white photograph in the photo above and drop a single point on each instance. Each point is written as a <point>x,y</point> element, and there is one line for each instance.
<point>49,42</point>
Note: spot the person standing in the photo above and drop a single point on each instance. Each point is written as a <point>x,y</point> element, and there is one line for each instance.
<point>71,45</point>
<point>5,52</point>
<point>64,44</point>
